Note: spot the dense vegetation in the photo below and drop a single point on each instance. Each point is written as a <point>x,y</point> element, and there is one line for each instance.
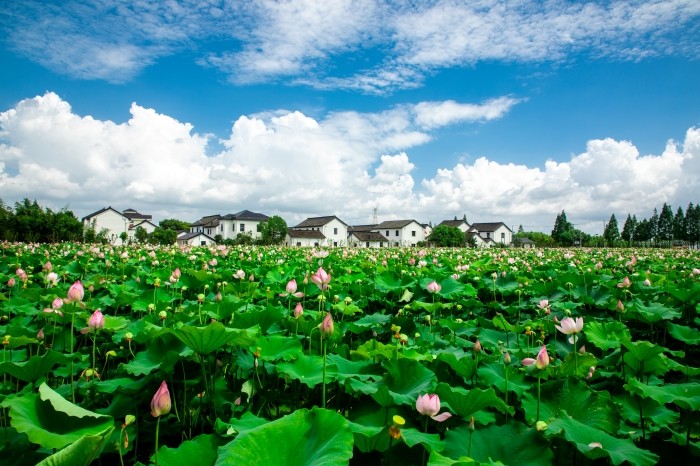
<point>261,355</point>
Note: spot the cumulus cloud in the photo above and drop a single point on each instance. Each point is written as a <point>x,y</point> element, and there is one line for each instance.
<point>385,45</point>
<point>344,164</point>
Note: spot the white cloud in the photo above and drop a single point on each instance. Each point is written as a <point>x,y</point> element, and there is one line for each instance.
<point>385,45</point>
<point>435,114</point>
<point>297,166</point>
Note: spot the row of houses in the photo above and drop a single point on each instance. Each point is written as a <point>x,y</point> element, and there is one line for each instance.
<point>329,231</point>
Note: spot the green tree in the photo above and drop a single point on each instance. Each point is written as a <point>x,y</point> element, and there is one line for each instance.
<point>163,236</point>
<point>612,232</point>
<point>174,224</point>
<point>654,227</point>
<point>679,227</point>
<point>561,233</point>
<point>6,222</point>
<point>692,223</point>
<point>274,230</point>
<point>141,235</point>
<point>665,225</point>
<point>446,236</point>
<point>629,229</point>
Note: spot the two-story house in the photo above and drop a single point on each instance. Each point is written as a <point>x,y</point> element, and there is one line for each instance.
<point>401,232</point>
<point>116,223</point>
<point>334,232</point>
<point>231,225</point>
<point>493,233</point>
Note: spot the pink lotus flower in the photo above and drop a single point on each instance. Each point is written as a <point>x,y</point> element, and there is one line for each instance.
<point>429,405</point>
<point>327,326</point>
<point>240,275</point>
<point>22,275</point>
<point>76,292</point>
<point>298,311</point>
<point>542,360</point>
<point>477,346</point>
<point>570,326</point>
<point>321,279</point>
<point>544,304</point>
<point>95,322</point>
<point>11,282</point>
<point>291,289</point>
<point>160,403</point>
<point>433,287</point>
<point>620,306</point>
<point>48,266</point>
<point>625,283</point>
<point>57,303</point>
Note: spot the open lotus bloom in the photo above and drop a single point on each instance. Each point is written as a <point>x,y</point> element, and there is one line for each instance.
<point>570,326</point>
<point>429,405</point>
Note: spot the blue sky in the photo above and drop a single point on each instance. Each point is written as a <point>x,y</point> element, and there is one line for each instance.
<point>503,111</point>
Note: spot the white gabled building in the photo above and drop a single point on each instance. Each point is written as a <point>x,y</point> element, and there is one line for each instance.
<point>116,223</point>
<point>493,233</point>
<point>362,236</point>
<point>195,239</point>
<point>334,230</point>
<point>231,225</point>
<point>304,238</point>
<point>405,233</point>
<point>461,224</point>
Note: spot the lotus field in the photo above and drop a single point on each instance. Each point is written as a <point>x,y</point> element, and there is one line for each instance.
<point>292,356</point>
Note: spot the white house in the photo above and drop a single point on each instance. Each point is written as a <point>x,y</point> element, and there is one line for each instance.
<point>493,233</point>
<point>231,225</point>
<point>116,223</point>
<point>401,232</point>
<point>195,239</point>
<point>362,236</point>
<point>461,224</point>
<point>334,230</point>
<point>304,238</point>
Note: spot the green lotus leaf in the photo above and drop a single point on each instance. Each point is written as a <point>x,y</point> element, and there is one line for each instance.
<point>162,353</point>
<point>578,400</point>
<point>53,422</point>
<point>645,358</point>
<point>467,402</point>
<point>363,370</point>
<point>684,395</point>
<point>608,334</point>
<point>303,438</point>
<point>200,451</point>
<point>277,347</point>
<point>685,334</point>
<point>654,312</point>
<point>308,370</point>
<point>655,413</point>
<point>82,452</point>
<point>511,444</point>
<point>368,322</point>
<point>204,340</point>
<point>414,437</point>
<point>34,369</point>
<point>406,379</point>
<point>595,443</point>
<point>494,375</point>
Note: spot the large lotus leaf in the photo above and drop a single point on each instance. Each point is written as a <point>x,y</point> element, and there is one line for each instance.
<point>262,317</point>
<point>436,459</point>
<point>451,288</point>
<point>162,353</point>
<point>406,379</point>
<point>467,402</point>
<point>368,322</point>
<point>80,453</point>
<point>684,395</point>
<point>654,312</point>
<point>575,398</point>
<point>387,282</point>
<point>494,375</point>
<point>308,370</point>
<point>685,334</point>
<point>121,385</point>
<point>247,421</point>
<point>362,370</point>
<point>645,358</point>
<point>200,451</point>
<point>373,349</point>
<point>34,369</point>
<point>607,335</point>
<point>370,438</point>
<point>577,364</point>
<point>595,443</point>
<point>430,441</point>
<point>53,422</point>
<point>511,443</point>
<point>204,340</point>
<point>304,438</point>
<point>277,347</point>
<point>653,411</point>
<point>464,367</point>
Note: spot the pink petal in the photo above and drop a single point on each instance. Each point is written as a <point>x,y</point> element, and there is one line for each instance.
<point>442,417</point>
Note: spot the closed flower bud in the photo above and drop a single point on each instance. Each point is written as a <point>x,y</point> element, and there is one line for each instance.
<point>327,326</point>
<point>160,403</point>
<point>76,292</point>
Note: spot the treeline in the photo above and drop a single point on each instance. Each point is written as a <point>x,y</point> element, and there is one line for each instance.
<point>28,222</point>
<point>661,229</point>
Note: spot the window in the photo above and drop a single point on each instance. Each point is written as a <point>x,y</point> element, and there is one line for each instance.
<point>387,233</point>
<point>222,228</point>
<point>242,227</point>
<point>316,244</point>
<point>397,233</point>
<point>335,231</point>
<point>335,243</point>
<point>503,237</point>
<point>413,233</point>
<point>298,243</point>
<point>367,244</point>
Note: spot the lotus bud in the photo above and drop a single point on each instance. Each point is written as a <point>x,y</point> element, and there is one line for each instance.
<point>76,292</point>
<point>160,404</point>
<point>327,326</point>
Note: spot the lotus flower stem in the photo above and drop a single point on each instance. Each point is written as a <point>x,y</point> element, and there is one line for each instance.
<point>539,379</point>
<point>323,388</point>
<point>157,434</point>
